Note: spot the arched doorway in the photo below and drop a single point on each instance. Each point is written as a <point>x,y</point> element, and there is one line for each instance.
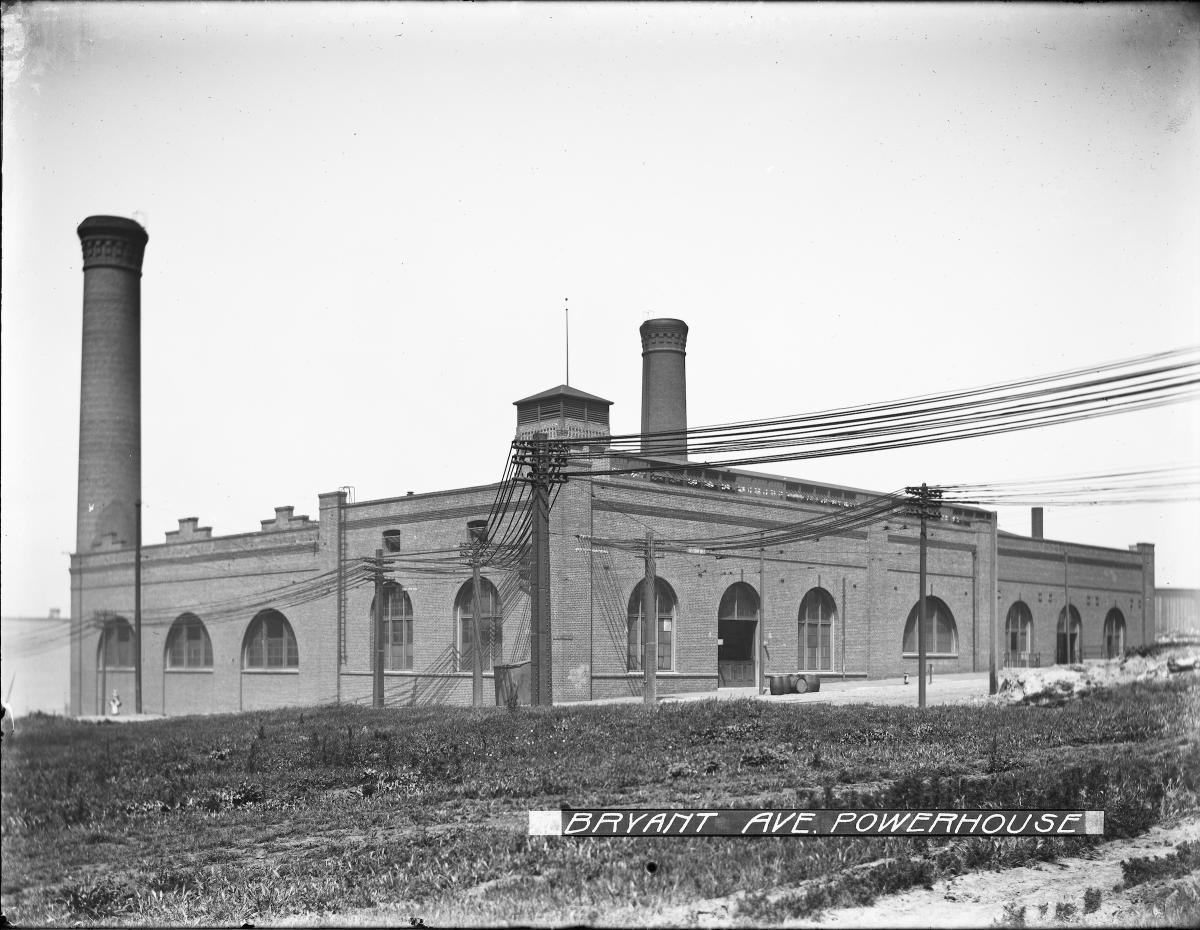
<point>1018,637</point>
<point>737,626</point>
<point>1114,634</point>
<point>1070,638</point>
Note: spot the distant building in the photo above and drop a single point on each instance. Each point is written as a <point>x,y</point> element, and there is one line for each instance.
<point>34,663</point>
<point>275,617</point>
<point>1177,612</point>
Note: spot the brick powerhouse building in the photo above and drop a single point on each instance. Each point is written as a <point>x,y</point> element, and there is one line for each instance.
<point>260,619</point>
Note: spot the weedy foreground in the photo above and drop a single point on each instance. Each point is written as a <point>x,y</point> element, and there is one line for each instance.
<point>302,815</point>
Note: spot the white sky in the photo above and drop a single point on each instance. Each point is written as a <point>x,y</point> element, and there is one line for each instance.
<point>364,221</point>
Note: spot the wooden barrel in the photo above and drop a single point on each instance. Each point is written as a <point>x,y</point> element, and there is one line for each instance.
<point>779,684</point>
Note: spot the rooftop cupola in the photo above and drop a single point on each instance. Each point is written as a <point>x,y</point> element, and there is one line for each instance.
<point>562,412</point>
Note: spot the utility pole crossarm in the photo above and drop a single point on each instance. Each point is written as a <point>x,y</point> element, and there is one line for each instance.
<point>923,502</point>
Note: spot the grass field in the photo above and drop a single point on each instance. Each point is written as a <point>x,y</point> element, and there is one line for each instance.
<point>301,815</point>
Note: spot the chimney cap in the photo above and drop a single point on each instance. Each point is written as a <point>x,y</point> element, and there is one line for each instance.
<point>113,226</point>
<point>664,324</point>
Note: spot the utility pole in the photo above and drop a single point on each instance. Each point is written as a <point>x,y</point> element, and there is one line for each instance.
<point>544,461</point>
<point>377,665</point>
<point>993,680</point>
<point>477,534</point>
<point>137,607</point>
<point>762,615</point>
<point>477,660</point>
<point>472,550</point>
<point>1067,610</point>
<point>341,592</point>
<point>845,616</point>
<point>922,646</point>
<point>541,687</point>
<point>974,607</point>
<point>650,625</point>
<point>924,508</point>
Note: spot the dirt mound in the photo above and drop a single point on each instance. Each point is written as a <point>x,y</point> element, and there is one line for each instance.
<point>1058,684</point>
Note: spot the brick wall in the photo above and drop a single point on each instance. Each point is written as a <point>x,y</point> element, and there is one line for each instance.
<point>1041,573</point>
<point>225,582</point>
<point>871,575</point>
<point>186,691</point>
<point>426,522</point>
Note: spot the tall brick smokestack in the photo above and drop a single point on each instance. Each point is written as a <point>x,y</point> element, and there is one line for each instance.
<point>110,414</point>
<point>1037,522</point>
<point>664,385</point>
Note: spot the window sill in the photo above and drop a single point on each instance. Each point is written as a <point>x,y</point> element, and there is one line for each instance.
<point>932,655</point>
<point>270,671</point>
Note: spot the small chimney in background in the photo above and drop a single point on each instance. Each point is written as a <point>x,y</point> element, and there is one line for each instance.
<point>1037,522</point>
<point>664,386</point>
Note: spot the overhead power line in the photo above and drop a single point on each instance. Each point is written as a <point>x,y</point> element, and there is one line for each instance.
<point>1165,484</point>
<point>1141,383</point>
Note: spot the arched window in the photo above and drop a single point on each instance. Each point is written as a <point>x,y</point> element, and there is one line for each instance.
<point>270,643</point>
<point>116,644</point>
<point>1018,634</point>
<point>737,624</point>
<point>941,634</point>
<point>397,627</point>
<point>665,609</point>
<point>740,602</point>
<point>814,629</point>
<point>1070,639</point>
<point>491,628</point>
<point>188,645</point>
<point>1114,634</point>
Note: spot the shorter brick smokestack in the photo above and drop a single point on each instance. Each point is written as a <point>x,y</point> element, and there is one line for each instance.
<point>1037,522</point>
<point>664,386</point>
